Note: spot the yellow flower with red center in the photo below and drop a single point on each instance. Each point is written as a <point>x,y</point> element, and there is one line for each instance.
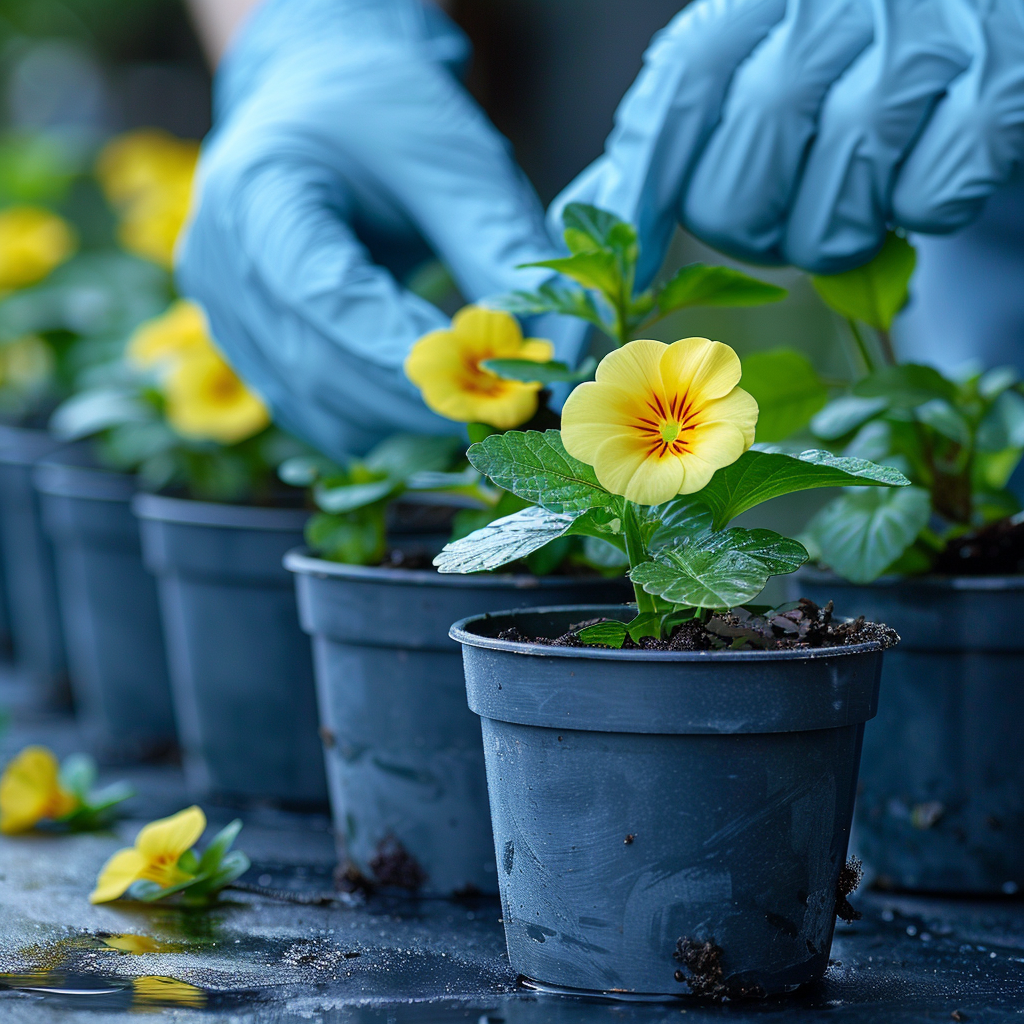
<point>147,176</point>
<point>446,366</point>
<point>33,242</point>
<point>154,857</point>
<point>659,419</point>
<point>30,792</point>
<point>177,333</point>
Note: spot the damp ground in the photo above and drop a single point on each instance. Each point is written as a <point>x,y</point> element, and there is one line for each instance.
<point>394,960</point>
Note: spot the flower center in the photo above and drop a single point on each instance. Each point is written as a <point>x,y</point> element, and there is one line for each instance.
<point>669,432</point>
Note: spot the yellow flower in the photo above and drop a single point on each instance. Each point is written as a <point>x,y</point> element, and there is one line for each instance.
<point>179,332</point>
<point>33,241</point>
<point>445,366</point>
<point>154,856</point>
<point>207,401</point>
<point>147,175</point>
<point>30,791</point>
<point>26,363</point>
<point>660,419</point>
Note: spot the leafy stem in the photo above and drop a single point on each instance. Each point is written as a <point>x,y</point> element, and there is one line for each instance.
<point>637,554</point>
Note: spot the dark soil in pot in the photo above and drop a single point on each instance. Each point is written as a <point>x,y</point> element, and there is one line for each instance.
<point>28,566</point>
<point>240,666</point>
<point>404,761</point>
<point>111,617</point>
<point>667,822</point>
<point>941,802</point>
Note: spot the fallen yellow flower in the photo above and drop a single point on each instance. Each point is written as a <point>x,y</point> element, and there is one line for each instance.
<point>179,332</point>
<point>659,419</point>
<point>208,401</point>
<point>30,792</point>
<point>445,366</point>
<point>154,857</point>
<point>33,242</point>
<point>154,990</point>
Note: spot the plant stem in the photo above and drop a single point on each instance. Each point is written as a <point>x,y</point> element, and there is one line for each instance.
<point>862,346</point>
<point>636,554</point>
<point>885,338</point>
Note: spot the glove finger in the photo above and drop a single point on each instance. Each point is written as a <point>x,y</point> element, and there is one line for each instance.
<point>298,306</point>
<point>975,139</point>
<point>868,122</point>
<point>665,118</point>
<point>745,180</point>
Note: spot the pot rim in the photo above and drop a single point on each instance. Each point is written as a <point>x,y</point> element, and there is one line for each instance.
<point>460,632</point>
<point>87,483</point>
<point>300,561</point>
<point>1014,581</point>
<point>191,512</point>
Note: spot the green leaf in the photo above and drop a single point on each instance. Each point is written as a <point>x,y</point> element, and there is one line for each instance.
<point>401,455</point>
<point>756,476</point>
<point>992,470</point>
<point>604,634</point>
<point>876,291</point>
<point>906,386</point>
<point>603,554</point>
<point>90,412</point>
<point>233,866</point>
<point>348,497</point>
<point>1003,425</point>
<point>540,373</point>
<point>588,228</point>
<point>719,570</point>
<point>598,270</point>
<point>304,470</point>
<point>844,414</point>
<point>504,540</point>
<point>787,389</point>
<point>554,297</point>
<point>536,467</point>
<point>189,862</point>
<point>861,533</point>
<point>645,624</point>
<point>357,538</point>
<point>219,845</point>
<point>78,775</point>
<point>698,284</point>
<point>478,431</point>
<point>945,420</point>
<point>997,380</point>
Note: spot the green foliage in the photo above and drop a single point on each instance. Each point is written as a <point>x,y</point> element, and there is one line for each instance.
<point>95,808</point>
<point>542,373</point>
<point>875,292</point>
<point>602,270</point>
<point>681,556</point>
<point>208,873</point>
<point>787,389</point>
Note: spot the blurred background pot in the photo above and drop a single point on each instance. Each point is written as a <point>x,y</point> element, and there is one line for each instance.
<point>641,799</point>
<point>241,670</point>
<point>28,566</point>
<point>404,761</point>
<point>111,617</point>
<point>941,801</point>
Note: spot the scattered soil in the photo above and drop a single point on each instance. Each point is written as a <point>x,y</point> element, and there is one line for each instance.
<point>996,550</point>
<point>792,627</point>
<point>704,962</point>
<point>392,864</point>
<point>849,878</point>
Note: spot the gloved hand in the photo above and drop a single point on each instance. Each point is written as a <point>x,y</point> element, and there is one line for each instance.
<point>343,143</point>
<point>793,131</point>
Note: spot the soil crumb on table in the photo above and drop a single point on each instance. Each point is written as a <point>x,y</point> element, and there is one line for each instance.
<point>703,960</point>
<point>849,879</point>
<point>801,625</point>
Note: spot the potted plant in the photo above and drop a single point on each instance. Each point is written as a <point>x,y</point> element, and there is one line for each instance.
<point>671,784</point>
<point>215,524</point>
<point>941,806</point>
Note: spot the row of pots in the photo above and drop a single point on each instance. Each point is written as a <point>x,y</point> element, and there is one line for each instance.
<point>644,804</point>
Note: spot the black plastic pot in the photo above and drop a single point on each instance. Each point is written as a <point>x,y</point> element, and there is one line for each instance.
<point>404,761</point>
<point>111,618</point>
<point>941,802</point>
<point>641,799</point>
<point>241,671</point>
<point>28,567</point>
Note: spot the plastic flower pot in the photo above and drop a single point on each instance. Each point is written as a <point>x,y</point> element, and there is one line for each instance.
<point>941,802</point>
<point>241,670</point>
<point>404,761</point>
<point>28,566</point>
<point>644,801</point>
<point>114,638</point>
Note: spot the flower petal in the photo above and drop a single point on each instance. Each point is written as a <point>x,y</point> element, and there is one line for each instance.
<point>171,836</point>
<point>595,412</point>
<point>117,875</point>
<point>537,350</point>
<point>704,370</point>
<point>739,409</point>
<point>635,368</point>
<point>29,790</point>
<point>624,467</point>
<point>492,333</point>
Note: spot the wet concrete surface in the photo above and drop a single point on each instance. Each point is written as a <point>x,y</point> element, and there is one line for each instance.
<point>394,960</point>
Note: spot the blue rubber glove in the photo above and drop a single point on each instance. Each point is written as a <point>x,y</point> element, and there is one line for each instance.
<point>344,151</point>
<point>794,131</point>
